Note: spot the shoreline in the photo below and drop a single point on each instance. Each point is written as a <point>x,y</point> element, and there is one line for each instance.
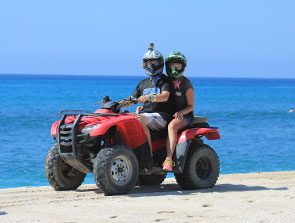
<point>168,177</point>
<point>247,197</point>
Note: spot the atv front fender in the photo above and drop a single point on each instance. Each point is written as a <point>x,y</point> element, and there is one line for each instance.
<point>54,128</point>
<point>130,129</point>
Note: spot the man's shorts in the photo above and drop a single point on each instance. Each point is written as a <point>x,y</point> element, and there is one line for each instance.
<point>155,121</point>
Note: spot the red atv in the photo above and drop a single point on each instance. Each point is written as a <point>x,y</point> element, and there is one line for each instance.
<point>113,145</point>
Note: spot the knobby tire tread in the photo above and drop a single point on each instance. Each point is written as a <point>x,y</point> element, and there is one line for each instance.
<point>100,171</point>
<point>186,179</point>
<point>51,172</point>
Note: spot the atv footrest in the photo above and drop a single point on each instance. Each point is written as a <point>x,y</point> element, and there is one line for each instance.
<point>154,170</point>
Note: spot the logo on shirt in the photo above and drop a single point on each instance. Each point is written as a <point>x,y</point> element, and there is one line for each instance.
<point>155,90</point>
<point>178,93</point>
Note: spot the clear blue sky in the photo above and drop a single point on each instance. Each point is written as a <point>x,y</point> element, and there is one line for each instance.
<point>220,38</point>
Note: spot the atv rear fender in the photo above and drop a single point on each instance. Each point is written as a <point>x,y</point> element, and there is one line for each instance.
<point>209,133</point>
<point>184,141</point>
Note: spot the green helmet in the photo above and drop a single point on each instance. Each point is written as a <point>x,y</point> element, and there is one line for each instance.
<point>173,68</point>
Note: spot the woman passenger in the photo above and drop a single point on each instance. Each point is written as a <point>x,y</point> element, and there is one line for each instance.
<point>184,101</point>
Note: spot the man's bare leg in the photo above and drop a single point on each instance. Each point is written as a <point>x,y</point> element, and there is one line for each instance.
<point>143,121</point>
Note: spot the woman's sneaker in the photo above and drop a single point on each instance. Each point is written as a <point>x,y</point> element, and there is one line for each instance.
<point>168,164</point>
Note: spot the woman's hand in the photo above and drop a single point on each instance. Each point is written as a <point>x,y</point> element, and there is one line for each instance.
<point>143,99</point>
<point>138,109</point>
<point>178,116</point>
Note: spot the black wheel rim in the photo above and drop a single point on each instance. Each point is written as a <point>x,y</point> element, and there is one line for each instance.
<point>203,168</point>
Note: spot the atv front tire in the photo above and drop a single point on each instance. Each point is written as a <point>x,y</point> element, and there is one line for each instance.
<point>201,169</point>
<point>116,170</point>
<point>59,174</point>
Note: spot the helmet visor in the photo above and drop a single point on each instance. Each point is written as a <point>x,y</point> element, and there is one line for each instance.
<point>175,66</point>
<point>153,66</point>
<point>151,63</point>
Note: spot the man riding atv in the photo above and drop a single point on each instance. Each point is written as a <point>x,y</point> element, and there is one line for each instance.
<point>154,92</point>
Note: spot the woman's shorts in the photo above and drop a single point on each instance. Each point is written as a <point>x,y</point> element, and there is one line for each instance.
<point>188,118</point>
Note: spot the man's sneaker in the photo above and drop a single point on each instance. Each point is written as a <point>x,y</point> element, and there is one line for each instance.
<point>168,164</point>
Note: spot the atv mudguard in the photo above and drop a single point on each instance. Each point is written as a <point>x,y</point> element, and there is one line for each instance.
<point>209,133</point>
<point>54,128</point>
<point>184,141</point>
<point>131,131</point>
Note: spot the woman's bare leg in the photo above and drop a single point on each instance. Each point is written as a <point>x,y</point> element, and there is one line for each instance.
<point>174,126</point>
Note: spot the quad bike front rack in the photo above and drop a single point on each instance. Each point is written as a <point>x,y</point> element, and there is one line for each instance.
<point>68,143</point>
<point>70,140</point>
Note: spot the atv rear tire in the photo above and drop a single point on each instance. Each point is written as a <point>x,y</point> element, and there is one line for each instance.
<point>201,169</point>
<point>152,179</point>
<point>116,170</point>
<point>59,174</point>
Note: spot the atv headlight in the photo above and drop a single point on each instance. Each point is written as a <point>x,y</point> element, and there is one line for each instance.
<point>88,129</point>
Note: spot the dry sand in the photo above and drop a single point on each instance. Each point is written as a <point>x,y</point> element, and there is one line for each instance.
<point>253,197</point>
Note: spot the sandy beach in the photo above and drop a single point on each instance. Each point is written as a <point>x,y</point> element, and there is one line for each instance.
<point>253,197</point>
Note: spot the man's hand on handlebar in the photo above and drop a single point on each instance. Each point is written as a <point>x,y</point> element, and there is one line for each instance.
<point>143,99</point>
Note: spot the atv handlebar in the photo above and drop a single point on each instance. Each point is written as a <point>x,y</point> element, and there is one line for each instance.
<point>104,100</point>
<point>115,106</point>
<point>130,99</point>
<point>127,101</point>
<point>123,101</point>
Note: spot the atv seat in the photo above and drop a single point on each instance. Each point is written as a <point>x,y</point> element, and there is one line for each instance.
<point>199,119</point>
<point>199,122</point>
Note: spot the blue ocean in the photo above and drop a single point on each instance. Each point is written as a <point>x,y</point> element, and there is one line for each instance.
<point>257,130</point>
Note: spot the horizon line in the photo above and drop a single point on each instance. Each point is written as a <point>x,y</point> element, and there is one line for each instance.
<point>98,75</point>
